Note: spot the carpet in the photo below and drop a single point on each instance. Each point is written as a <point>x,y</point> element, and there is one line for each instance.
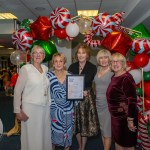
<point>13,142</point>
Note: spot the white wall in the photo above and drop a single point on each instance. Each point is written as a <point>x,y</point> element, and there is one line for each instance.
<point>64,47</point>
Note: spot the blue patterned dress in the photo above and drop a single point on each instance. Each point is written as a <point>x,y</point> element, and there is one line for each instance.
<point>62,113</point>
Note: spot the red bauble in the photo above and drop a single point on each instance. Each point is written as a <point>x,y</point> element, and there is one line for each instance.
<point>60,33</point>
<point>117,42</point>
<point>147,103</point>
<point>147,89</point>
<point>141,60</point>
<point>41,28</point>
<point>131,65</point>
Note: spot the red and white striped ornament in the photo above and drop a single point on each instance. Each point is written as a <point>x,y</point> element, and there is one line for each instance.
<point>123,29</point>
<point>60,17</point>
<point>143,133</point>
<point>103,24</point>
<point>140,45</point>
<point>22,39</point>
<point>139,104</point>
<point>118,17</point>
<point>90,42</point>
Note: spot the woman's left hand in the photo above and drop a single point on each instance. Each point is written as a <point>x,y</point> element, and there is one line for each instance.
<point>85,93</point>
<point>131,126</point>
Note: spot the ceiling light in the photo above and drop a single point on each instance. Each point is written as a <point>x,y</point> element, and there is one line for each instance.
<point>7,16</point>
<point>87,12</point>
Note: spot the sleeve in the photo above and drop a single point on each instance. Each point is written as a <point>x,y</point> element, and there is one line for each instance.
<point>70,69</point>
<point>19,87</point>
<point>129,89</point>
<point>48,74</point>
<point>95,70</point>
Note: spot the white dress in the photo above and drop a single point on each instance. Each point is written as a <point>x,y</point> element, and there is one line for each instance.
<point>30,93</point>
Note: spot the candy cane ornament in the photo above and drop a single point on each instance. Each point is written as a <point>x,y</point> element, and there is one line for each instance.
<point>143,133</point>
<point>103,24</point>
<point>60,17</point>
<point>141,45</point>
<point>118,17</point>
<point>22,39</point>
<point>90,42</point>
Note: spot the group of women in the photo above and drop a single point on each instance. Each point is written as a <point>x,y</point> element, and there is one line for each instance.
<point>40,102</point>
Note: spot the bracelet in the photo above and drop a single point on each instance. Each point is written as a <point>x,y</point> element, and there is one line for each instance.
<point>130,119</point>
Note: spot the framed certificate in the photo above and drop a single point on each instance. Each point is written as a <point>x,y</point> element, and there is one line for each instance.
<point>75,87</point>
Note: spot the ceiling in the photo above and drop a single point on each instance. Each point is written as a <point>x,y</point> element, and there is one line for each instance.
<point>136,11</point>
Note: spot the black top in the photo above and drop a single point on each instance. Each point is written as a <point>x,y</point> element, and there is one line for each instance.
<point>89,71</point>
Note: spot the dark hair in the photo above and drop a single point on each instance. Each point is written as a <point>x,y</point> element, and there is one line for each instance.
<point>86,48</point>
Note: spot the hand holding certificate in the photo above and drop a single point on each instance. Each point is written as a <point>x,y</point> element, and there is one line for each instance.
<point>75,87</point>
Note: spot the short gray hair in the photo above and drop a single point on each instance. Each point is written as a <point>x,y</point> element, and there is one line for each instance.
<point>37,47</point>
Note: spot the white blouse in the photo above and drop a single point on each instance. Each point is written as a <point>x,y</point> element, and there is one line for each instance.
<point>31,87</point>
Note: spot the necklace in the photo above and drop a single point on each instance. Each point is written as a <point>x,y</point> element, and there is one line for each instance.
<point>45,85</point>
<point>81,66</point>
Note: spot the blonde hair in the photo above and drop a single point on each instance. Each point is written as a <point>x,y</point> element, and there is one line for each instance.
<point>59,55</point>
<point>85,48</point>
<point>103,52</point>
<point>120,57</point>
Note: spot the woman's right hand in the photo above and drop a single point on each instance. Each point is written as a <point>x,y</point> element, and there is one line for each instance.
<point>22,116</point>
<point>131,126</point>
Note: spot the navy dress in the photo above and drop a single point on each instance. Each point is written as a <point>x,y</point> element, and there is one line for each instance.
<point>62,113</point>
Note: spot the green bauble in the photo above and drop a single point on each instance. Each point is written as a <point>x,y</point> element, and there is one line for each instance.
<point>147,76</point>
<point>25,24</point>
<point>139,91</point>
<point>143,32</point>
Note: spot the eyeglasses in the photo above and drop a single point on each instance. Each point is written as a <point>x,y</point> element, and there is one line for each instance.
<point>38,53</point>
<point>116,61</point>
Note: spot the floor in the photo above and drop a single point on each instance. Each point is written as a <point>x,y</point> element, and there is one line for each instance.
<point>13,142</point>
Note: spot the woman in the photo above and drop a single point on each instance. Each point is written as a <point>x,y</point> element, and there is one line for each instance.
<point>62,111</point>
<point>6,81</point>
<point>122,102</point>
<point>31,103</point>
<point>86,119</point>
<point>102,80</point>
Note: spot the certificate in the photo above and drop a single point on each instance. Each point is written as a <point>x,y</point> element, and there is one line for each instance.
<point>75,87</point>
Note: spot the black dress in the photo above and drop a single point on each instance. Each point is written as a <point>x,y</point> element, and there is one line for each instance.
<point>86,118</point>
